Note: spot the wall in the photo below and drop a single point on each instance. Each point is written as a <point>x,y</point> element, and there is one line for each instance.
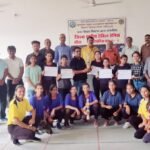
<point>25,20</point>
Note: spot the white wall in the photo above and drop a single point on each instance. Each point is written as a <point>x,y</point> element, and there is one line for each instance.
<point>39,19</point>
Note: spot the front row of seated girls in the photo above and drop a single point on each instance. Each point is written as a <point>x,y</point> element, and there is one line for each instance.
<point>135,111</point>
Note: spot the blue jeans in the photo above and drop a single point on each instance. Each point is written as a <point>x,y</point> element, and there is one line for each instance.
<point>30,93</point>
<point>138,84</point>
<point>78,85</point>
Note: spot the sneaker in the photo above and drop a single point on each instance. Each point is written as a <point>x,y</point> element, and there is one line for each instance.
<point>126,125</point>
<point>3,121</point>
<point>15,141</point>
<point>40,132</point>
<point>36,139</point>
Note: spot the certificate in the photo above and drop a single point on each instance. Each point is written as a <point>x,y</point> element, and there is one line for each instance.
<point>124,74</point>
<point>105,74</point>
<point>95,70</point>
<point>50,71</point>
<point>66,73</point>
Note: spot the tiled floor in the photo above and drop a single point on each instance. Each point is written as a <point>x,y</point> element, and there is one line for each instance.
<point>80,137</point>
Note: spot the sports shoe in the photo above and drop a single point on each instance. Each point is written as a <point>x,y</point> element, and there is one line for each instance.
<point>126,125</point>
<point>36,139</point>
<point>15,141</point>
<point>3,121</point>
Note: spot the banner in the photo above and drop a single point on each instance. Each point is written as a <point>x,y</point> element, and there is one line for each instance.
<point>101,29</point>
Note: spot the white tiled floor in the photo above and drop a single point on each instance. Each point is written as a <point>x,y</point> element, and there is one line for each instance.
<point>80,137</point>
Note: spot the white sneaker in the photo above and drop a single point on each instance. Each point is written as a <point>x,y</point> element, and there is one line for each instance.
<point>3,121</point>
<point>126,125</point>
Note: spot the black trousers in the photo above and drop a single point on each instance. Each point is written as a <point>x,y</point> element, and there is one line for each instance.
<point>18,132</point>
<point>68,113</point>
<point>3,100</point>
<point>107,113</point>
<point>135,121</point>
<point>96,86</point>
<point>11,88</point>
<point>94,111</point>
<point>59,115</point>
<point>64,92</point>
<point>128,116</point>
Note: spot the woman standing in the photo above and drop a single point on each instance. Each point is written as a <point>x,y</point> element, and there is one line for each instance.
<point>104,82</point>
<point>96,81</point>
<point>48,81</point>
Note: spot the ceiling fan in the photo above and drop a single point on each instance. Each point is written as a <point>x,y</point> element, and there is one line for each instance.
<point>93,3</point>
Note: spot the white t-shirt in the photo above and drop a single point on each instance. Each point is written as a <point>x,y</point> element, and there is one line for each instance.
<point>14,66</point>
<point>129,51</point>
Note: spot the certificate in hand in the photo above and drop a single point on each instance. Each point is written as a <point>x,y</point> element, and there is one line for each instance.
<point>95,70</point>
<point>66,73</point>
<point>105,73</point>
<point>124,74</point>
<point>50,71</point>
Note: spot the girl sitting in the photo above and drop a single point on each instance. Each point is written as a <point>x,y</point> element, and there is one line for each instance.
<point>71,106</point>
<point>111,104</point>
<point>131,104</point>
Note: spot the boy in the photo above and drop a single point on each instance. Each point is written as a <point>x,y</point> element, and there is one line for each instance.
<point>64,85</point>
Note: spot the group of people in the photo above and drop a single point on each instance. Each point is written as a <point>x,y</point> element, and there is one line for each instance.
<point>54,98</point>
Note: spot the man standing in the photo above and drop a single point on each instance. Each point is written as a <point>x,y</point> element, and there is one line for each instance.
<point>47,48</point>
<point>15,71</point>
<point>3,90</point>
<point>87,52</point>
<point>36,51</point>
<point>129,49</point>
<point>145,49</point>
<point>111,53</point>
<point>79,68</point>
<point>62,49</point>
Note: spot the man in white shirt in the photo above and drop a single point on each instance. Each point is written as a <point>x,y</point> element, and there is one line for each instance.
<point>15,71</point>
<point>129,49</point>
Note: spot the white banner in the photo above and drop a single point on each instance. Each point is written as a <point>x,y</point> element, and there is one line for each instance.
<point>101,29</point>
